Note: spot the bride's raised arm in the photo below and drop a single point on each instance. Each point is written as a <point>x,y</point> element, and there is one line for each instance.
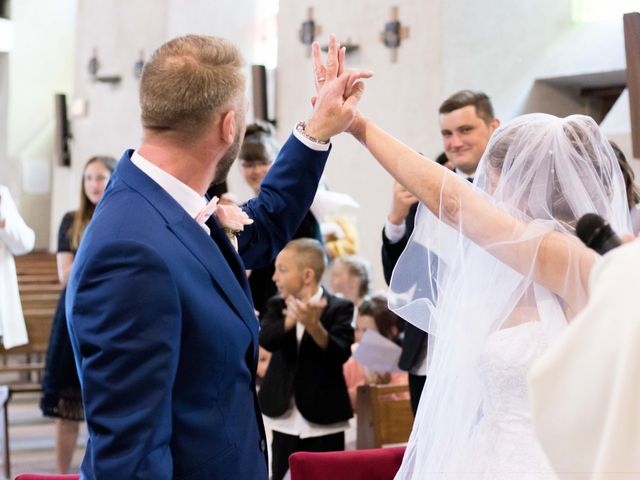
<point>542,173</point>
<point>452,199</point>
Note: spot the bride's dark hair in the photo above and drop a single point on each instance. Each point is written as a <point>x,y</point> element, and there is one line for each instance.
<point>549,153</point>
<point>258,144</point>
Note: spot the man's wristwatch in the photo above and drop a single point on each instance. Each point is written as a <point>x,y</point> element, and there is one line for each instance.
<point>300,128</point>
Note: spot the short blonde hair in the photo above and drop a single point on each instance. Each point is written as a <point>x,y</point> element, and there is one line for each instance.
<point>187,81</point>
<point>357,267</point>
<point>308,253</point>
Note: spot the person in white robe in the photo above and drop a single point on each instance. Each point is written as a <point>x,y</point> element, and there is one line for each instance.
<point>585,388</point>
<point>16,238</point>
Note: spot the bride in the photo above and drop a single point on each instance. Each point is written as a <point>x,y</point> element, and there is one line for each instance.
<point>508,274</point>
<point>493,272</point>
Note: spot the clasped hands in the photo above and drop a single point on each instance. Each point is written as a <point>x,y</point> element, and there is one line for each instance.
<point>307,313</point>
<point>338,92</point>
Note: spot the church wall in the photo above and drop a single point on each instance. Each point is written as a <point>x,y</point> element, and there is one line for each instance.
<point>500,47</point>
<point>39,64</point>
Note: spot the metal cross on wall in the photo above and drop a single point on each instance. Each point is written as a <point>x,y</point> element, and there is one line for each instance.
<point>393,34</point>
<point>309,31</point>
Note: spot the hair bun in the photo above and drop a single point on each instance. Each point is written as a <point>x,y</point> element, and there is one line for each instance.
<point>260,127</point>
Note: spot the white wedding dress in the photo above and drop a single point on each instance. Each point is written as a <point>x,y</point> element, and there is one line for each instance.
<point>490,304</point>
<point>503,445</point>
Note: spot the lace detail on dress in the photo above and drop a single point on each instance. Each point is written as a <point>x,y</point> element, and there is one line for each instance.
<point>503,445</point>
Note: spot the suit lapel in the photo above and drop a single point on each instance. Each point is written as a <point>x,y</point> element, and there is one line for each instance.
<point>230,253</point>
<point>207,250</point>
<point>209,253</point>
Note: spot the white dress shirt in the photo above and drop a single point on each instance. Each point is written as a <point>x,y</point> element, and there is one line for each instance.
<point>394,232</point>
<point>320,147</point>
<point>466,176</point>
<point>292,422</point>
<point>186,197</point>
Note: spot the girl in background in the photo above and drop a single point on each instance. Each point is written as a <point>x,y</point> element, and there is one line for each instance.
<point>350,278</point>
<point>61,388</point>
<point>373,314</point>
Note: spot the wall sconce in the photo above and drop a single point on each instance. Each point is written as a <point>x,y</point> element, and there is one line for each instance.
<point>348,46</point>
<point>138,67</point>
<point>94,64</point>
<point>309,31</point>
<point>93,67</point>
<point>393,34</point>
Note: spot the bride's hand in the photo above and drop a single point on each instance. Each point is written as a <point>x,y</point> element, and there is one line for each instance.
<point>319,69</point>
<point>348,80</point>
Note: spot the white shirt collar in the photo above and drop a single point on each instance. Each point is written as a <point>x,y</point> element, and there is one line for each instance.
<point>466,176</point>
<point>316,296</point>
<point>186,197</point>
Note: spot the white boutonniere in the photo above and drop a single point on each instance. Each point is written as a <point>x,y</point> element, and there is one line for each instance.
<point>231,217</point>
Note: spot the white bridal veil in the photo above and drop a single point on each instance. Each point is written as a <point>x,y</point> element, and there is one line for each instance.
<point>547,172</point>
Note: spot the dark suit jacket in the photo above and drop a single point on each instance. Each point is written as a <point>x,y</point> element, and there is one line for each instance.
<point>163,328</point>
<point>311,375</point>
<point>415,340</point>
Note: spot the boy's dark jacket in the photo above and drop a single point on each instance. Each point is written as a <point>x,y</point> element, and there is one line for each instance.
<point>310,373</point>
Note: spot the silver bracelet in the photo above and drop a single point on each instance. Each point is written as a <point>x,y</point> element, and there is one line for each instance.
<point>300,128</point>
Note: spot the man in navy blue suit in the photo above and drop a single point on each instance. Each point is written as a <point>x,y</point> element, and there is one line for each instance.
<point>159,308</point>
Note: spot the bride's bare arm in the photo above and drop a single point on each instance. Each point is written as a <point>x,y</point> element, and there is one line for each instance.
<point>559,259</point>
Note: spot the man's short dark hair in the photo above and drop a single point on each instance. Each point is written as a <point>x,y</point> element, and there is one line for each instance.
<point>465,98</point>
<point>187,81</point>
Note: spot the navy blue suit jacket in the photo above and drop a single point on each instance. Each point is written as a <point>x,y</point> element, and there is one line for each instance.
<point>164,331</point>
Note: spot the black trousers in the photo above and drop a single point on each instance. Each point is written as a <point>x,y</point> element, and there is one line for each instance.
<point>284,445</point>
<point>416,382</point>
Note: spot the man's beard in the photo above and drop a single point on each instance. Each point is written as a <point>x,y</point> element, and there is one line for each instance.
<point>224,165</point>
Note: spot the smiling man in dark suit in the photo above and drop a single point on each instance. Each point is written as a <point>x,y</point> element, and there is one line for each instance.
<point>467,122</point>
<point>158,305</point>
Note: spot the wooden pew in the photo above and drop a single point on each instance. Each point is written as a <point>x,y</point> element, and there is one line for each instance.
<point>39,293</point>
<point>384,415</point>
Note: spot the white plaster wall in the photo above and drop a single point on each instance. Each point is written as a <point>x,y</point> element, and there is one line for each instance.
<point>499,46</point>
<point>39,65</point>
<point>5,174</point>
<point>231,19</point>
<point>617,121</point>
<point>6,35</point>
<point>582,49</point>
<point>6,43</point>
<point>490,46</point>
<point>616,128</point>
<point>117,30</point>
<point>402,97</point>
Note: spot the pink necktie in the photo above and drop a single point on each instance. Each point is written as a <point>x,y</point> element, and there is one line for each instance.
<point>204,214</point>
